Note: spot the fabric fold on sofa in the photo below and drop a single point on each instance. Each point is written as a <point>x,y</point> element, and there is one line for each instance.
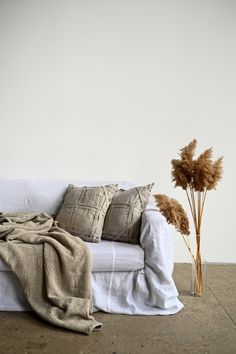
<point>53,267</point>
<point>150,291</point>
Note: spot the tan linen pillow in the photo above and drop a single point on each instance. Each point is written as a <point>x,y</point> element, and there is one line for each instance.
<point>83,211</point>
<point>123,218</point>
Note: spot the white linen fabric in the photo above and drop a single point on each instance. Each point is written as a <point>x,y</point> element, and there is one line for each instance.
<point>42,195</point>
<point>121,257</point>
<point>150,291</point>
<point>146,291</point>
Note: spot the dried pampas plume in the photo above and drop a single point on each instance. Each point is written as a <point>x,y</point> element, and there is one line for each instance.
<point>200,174</point>
<point>202,171</point>
<point>217,172</point>
<point>182,169</point>
<point>173,212</point>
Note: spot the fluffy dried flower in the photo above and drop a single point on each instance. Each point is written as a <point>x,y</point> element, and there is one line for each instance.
<point>200,174</point>
<point>182,169</point>
<point>173,212</point>
<point>217,171</point>
<point>203,171</point>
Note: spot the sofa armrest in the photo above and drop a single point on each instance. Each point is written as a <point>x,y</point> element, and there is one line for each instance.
<point>156,241</point>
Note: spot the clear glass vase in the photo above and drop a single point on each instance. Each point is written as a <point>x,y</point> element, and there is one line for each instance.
<point>198,278</point>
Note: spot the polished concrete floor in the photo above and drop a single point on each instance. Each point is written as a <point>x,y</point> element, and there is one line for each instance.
<point>206,325</point>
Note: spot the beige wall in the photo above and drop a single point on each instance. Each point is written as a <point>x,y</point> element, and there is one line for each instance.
<point>113,89</point>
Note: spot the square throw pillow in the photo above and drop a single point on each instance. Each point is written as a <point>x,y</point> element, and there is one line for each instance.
<point>83,211</point>
<point>123,218</point>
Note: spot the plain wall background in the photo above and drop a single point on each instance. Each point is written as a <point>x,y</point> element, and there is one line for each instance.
<point>113,89</point>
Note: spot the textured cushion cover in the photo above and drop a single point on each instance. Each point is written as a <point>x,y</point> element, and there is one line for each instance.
<point>123,218</point>
<point>83,211</point>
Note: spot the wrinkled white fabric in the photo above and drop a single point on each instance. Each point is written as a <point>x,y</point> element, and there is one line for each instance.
<point>42,195</point>
<point>120,256</point>
<point>150,291</point>
<point>11,293</point>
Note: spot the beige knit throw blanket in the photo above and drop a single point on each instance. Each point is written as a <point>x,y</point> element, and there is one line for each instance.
<point>54,269</point>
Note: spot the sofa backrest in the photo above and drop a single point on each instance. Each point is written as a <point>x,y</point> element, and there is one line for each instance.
<point>41,195</point>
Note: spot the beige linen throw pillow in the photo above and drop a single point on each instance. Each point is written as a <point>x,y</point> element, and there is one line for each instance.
<point>83,211</point>
<point>123,218</point>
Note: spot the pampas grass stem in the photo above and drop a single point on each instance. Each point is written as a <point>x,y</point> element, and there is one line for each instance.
<point>190,205</point>
<point>188,247</point>
<point>203,202</point>
<point>194,208</point>
<point>199,211</point>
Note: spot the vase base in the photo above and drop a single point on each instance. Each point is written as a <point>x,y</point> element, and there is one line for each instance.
<point>198,283</point>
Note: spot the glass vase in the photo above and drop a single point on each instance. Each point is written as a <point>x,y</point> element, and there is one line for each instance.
<point>198,277</point>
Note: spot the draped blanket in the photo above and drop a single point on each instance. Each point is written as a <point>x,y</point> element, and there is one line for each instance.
<point>54,269</point>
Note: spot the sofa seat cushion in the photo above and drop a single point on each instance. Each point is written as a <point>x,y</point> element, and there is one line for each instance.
<point>109,256</point>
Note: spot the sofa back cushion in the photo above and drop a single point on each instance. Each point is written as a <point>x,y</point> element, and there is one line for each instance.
<point>83,211</point>
<point>42,195</point>
<point>123,218</point>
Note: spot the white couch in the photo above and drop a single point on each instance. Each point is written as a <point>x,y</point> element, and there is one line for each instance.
<point>128,279</point>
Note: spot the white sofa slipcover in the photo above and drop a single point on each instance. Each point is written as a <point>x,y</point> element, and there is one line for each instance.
<point>128,279</point>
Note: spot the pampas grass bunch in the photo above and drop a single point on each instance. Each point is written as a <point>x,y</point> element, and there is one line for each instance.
<point>196,177</point>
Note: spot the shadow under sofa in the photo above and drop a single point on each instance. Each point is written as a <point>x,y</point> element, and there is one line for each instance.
<point>126,278</point>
